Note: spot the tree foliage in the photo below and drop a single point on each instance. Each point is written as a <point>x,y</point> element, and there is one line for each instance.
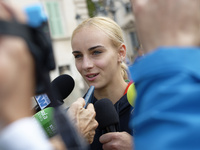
<point>91,8</point>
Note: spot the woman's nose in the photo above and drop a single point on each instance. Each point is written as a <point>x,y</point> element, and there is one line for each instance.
<point>87,63</point>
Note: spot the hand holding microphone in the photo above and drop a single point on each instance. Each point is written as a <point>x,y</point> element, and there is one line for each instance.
<point>83,118</point>
<point>116,141</point>
<point>108,120</point>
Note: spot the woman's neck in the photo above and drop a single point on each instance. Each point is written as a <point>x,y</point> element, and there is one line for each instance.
<point>113,91</point>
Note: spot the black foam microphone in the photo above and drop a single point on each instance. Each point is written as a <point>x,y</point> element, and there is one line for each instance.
<point>60,88</point>
<point>106,115</point>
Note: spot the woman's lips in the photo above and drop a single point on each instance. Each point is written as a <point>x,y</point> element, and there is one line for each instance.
<point>91,77</point>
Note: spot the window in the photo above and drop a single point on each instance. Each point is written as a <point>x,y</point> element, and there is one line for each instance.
<point>64,69</point>
<point>53,10</point>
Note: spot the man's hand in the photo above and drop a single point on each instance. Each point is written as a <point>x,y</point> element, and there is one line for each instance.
<point>167,22</point>
<point>84,119</point>
<point>117,141</point>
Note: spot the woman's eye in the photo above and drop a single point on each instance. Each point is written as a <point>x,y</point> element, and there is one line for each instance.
<point>96,52</point>
<point>77,56</point>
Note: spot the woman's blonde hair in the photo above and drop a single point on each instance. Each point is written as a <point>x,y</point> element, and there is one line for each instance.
<point>111,29</point>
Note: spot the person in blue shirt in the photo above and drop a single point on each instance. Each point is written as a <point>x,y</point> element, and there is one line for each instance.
<point>167,79</point>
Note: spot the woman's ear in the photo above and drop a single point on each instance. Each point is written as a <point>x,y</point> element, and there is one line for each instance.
<point>122,52</point>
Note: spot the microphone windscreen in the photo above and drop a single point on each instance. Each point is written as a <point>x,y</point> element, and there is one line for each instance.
<point>106,114</point>
<point>46,119</point>
<point>62,86</point>
<point>131,94</point>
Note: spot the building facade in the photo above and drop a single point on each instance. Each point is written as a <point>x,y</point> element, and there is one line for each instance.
<point>121,12</point>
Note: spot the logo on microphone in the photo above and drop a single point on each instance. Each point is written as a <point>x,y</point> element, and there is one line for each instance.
<point>44,115</point>
<point>42,100</point>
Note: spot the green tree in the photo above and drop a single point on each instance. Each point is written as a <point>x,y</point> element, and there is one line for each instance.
<point>91,8</point>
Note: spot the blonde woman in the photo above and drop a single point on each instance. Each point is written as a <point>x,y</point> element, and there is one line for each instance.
<point>99,51</point>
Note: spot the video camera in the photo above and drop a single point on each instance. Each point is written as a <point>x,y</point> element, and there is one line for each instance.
<point>37,36</point>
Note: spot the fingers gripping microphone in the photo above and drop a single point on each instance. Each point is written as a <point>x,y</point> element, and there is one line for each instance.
<point>106,115</point>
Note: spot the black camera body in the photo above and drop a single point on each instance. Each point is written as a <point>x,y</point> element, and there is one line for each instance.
<point>40,46</point>
<point>38,41</point>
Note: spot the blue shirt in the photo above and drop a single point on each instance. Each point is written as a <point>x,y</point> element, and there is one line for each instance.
<point>167,108</point>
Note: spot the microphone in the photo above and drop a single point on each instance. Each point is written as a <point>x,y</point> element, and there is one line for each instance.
<point>56,121</point>
<point>54,118</point>
<point>106,115</point>
<point>60,88</point>
<point>89,95</point>
<point>46,119</point>
<point>131,94</point>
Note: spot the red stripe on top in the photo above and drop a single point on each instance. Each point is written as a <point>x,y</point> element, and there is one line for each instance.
<point>128,87</point>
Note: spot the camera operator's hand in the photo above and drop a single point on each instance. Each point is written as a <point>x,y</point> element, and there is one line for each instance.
<point>167,22</point>
<point>17,76</point>
<point>84,118</point>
